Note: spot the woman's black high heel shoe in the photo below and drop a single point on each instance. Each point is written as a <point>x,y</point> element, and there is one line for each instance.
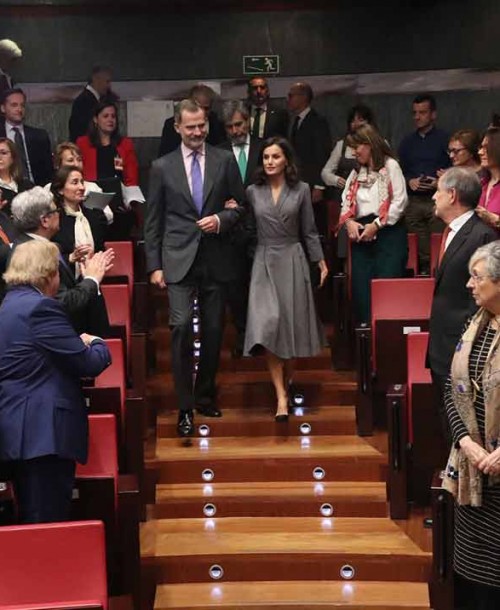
<point>282,417</point>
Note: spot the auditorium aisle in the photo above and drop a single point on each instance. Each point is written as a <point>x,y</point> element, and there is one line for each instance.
<point>243,519</point>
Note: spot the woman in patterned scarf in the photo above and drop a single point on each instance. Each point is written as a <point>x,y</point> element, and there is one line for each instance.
<point>373,203</point>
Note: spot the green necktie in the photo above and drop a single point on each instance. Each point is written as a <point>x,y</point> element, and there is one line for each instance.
<point>242,162</point>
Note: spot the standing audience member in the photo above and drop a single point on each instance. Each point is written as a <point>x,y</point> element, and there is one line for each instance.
<point>456,198</point>
<point>472,474</point>
<point>246,150</point>
<point>37,217</point>
<point>10,53</point>
<point>463,150</point>
<point>309,134</point>
<point>489,203</point>
<point>97,89</point>
<point>32,143</point>
<point>82,230</point>
<point>422,154</point>
<point>11,183</point>
<point>266,119</point>
<point>204,96</point>
<point>282,319</point>
<point>373,204</point>
<point>43,417</point>
<point>188,252</point>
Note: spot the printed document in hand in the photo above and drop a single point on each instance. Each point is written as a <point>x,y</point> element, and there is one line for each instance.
<point>97,201</point>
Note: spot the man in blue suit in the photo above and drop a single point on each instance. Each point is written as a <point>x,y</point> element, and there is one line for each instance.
<point>43,418</point>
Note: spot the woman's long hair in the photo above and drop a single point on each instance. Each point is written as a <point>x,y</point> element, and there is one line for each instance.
<point>93,132</point>
<point>291,171</point>
<point>380,149</point>
<point>60,178</point>
<point>15,170</point>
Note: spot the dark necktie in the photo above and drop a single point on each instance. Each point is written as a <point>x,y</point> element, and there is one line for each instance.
<point>196,182</point>
<point>256,123</point>
<point>19,142</point>
<point>295,128</point>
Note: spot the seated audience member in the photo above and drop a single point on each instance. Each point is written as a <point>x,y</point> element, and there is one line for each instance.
<point>10,53</point>
<point>37,217</point>
<point>11,183</point>
<point>205,97</point>
<point>97,89</point>
<point>43,417</point>
<point>373,204</point>
<point>67,154</point>
<point>489,203</point>
<point>81,231</point>
<point>342,161</point>
<point>472,474</point>
<point>456,198</point>
<point>33,144</point>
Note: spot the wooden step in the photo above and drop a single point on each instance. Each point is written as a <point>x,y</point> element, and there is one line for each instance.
<point>281,548</point>
<point>254,389</point>
<point>275,458</point>
<point>260,422</point>
<point>301,595</point>
<point>271,499</point>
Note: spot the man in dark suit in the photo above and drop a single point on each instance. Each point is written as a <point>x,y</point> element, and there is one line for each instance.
<point>457,195</point>
<point>32,143</point>
<point>188,251</point>
<point>311,140</point>
<point>204,97</point>
<point>97,89</point>
<point>246,150</point>
<point>43,417</point>
<point>266,119</point>
<point>36,216</point>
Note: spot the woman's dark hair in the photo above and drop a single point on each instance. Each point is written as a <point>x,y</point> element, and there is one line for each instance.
<point>470,140</point>
<point>492,136</point>
<point>363,111</point>
<point>60,178</point>
<point>16,170</point>
<point>93,132</point>
<point>380,149</point>
<point>291,171</point>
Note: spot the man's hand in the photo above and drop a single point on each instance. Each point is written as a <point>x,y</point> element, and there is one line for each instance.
<point>156,278</point>
<point>97,265</point>
<point>209,224</point>
<point>317,194</point>
<point>87,339</point>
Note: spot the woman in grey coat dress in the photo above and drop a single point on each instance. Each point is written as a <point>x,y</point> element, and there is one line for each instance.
<point>282,317</point>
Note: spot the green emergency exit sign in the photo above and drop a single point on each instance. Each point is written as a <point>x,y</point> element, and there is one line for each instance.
<point>261,64</point>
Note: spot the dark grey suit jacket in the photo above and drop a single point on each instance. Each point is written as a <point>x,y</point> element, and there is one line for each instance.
<point>452,303</point>
<point>172,238</point>
<point>39,153</point>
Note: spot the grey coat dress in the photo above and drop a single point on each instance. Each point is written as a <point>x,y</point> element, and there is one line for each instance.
<point>281,312</point>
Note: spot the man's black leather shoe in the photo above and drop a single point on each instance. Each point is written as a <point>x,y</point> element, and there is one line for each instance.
<point>209,410</point>
<point>185,424</point>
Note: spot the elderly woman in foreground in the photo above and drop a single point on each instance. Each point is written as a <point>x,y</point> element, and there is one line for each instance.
<point>43,418</point>
<point>472,400</point>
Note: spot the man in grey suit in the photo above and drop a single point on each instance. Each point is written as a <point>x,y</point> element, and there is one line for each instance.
<point>188,251</point>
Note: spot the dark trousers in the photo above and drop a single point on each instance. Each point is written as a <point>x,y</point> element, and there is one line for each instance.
<point>386,256</point>
<point>474,596</point>
<point>439,383</point>
<point>211,304</point>
<point>43,488</point>
<point>420,219</point>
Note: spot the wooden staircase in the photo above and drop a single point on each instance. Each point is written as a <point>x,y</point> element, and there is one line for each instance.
<point>256,515</point>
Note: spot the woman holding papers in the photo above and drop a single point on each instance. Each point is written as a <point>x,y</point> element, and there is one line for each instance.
<point>82,230</point>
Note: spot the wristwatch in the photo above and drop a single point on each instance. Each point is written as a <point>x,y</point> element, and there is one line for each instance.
<point>378,223</point>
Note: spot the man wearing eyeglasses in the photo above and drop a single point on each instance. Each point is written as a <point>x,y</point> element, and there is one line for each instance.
<point>422,154</point>
<point>456,198</point>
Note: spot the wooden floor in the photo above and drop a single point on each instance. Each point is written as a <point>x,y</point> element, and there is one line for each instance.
<point>240,519</point>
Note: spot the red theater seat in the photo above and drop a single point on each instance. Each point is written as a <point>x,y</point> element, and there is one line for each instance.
<point>56,565</point>
<point>123,265</point>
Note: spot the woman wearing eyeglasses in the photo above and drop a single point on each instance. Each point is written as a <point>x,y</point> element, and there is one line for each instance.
<point>489,154</point>
<point>463,149</point>
<point>472,397</point>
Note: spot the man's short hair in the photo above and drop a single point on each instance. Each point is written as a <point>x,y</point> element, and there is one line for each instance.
<point>426,97</point>
<point>202,90</point>
<point>465,183</point>
<point>99,69</point>
<point>187,105</point>
<point>10,49</point>
<point>231,107</point>
<point>8,92</point>
<point>29,206</point>
<point>304,89</point>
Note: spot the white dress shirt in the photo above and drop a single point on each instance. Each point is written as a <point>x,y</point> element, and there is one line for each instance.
<point>11,134</point>
<point>455,226</point>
